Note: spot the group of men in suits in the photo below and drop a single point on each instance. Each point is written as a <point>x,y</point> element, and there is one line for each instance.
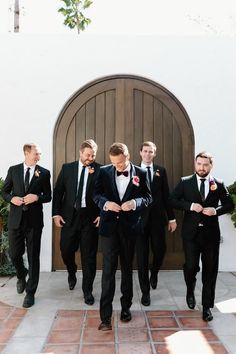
<point>128,206</point>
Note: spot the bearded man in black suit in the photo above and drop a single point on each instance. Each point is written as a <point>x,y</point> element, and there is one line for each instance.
<point>75,212</point>
<point>27,186</point>
<point>203,199</point>
<point>122,193</point>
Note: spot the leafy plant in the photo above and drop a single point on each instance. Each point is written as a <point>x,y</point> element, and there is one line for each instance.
<point>6,267</point>
<point>73,12</point>
<point>232,191</point>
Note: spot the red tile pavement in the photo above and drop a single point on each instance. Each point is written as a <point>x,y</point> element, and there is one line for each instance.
<point>10,318</point>
<point>159,332</point>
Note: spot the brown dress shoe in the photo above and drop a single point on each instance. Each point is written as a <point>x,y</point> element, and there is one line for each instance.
<point>105,325</point>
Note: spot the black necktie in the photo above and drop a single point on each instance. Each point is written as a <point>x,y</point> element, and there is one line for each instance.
<point>202,188</point>
<point>80,190</point>
<point>27,178</point>
<point>149,174</point>
<point>125,173</point>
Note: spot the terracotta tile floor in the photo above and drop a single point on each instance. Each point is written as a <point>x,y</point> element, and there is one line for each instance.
<point>10,318</point>
<point>162,332</point>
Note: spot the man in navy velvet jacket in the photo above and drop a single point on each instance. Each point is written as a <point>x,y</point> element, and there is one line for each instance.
<point>122,193</point>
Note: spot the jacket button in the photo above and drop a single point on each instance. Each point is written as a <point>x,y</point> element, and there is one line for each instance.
<point>117,217</point>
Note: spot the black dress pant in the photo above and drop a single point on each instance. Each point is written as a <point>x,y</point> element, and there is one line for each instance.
<point>206,246</point>
<point>154,234</point>
<point>81,234</point>
<point>29,237</point>
<point>112,247</point>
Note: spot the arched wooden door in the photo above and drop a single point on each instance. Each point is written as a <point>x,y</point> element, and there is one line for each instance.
<point>128,109</point>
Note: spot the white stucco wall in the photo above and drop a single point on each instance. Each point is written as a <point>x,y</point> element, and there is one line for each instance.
<point>38,73</point>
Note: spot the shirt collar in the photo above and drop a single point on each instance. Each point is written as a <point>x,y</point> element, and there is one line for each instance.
<point>143,165</point>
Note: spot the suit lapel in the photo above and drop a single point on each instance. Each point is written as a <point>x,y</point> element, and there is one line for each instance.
<point>21,178</point>
<point>90,177</point>
<point>113,183</point>
<point>130,185</point>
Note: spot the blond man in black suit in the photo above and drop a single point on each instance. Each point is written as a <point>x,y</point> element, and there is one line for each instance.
<point>27,186</point>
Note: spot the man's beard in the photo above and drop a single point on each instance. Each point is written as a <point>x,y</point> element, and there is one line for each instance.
<point>202,174</point>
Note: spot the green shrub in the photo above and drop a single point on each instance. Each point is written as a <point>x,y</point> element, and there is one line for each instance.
<point>6,267</point>
<point>232,191</point>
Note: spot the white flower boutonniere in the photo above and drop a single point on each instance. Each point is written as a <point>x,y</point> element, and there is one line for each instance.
<point>37,173</point>
<point>135,180</point>
<point>157,173</point>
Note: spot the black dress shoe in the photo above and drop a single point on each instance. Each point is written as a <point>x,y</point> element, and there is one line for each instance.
<point>105,325</point>
<point>125,316</point>
<point>206,314</point>
<point>28,300</point>
<point>190,298</point>
<point>89,299</point>
<point>145,300</point>
<point>20,285</point>
<point>153,280</point>
<point>72,281</point>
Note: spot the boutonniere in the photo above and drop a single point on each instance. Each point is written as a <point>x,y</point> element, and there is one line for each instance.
<point>91,169</point>
<point>213,185</point>
<point>37,173</point>
<point>135,180</point>
<point>157,173</point>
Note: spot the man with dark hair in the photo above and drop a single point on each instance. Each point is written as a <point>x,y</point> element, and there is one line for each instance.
<point>27,186</point>
<point>122,193</point>
<point>203,199</point>
<point>75,212</point>
<point>156,217</point>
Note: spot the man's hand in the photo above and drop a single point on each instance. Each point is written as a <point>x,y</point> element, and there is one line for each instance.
<point>209,211</point>
<point>97,221</point>
<point>59,221</point>
<point>129,205</point>
<point>30,198</point>
<point>197,207</point>
<point>18,201</point>
<point>172,226</point>
<point>112,206</point>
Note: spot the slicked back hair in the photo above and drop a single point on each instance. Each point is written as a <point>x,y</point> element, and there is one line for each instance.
<point>118,149</point>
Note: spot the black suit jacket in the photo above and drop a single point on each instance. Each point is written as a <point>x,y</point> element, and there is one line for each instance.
<point>187,192</point>
<point>64,194</point>
<point>14,186</point>
<point>160,208</point>
<point>106,190</point>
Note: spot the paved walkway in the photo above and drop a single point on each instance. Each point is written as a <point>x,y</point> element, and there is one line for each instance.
<point>60,322</point>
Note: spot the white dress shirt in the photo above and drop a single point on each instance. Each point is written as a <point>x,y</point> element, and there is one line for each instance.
<point>122,182</point>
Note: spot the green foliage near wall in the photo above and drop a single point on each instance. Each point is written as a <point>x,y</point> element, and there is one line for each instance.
<point>232,191</point>
<point>6,267</point>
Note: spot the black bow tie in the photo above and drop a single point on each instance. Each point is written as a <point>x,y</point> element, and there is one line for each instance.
<point>125,173</point>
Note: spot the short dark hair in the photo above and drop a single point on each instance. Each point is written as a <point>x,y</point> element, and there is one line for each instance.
<point>89,143</point>
<point>118,149</point>
<point>148,143</point>
<point>205,155</point>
